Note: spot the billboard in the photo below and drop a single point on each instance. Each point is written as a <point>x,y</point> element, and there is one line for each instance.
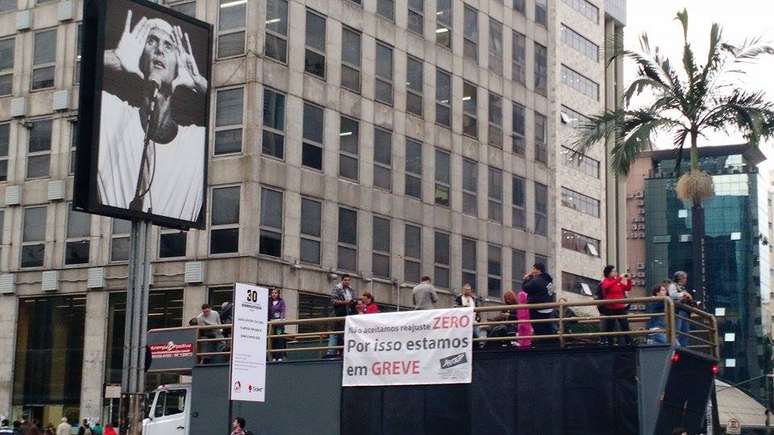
<point>248,343</point>
<point>143,114</point>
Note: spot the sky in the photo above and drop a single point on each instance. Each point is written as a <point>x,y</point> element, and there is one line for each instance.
<point>740,19</point>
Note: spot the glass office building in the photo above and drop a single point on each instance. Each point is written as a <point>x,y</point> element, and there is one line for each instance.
<point>736,250</point>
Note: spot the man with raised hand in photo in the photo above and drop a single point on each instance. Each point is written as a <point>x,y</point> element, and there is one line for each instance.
<point>151,156</point>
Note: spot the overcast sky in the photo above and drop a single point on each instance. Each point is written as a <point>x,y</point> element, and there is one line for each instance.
<point>739,19</point>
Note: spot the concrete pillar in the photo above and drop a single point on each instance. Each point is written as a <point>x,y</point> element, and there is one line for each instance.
<point>9,308</point>
<point>94,342</point>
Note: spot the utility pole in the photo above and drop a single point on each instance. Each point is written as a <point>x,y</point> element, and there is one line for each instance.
<point>136,327</point>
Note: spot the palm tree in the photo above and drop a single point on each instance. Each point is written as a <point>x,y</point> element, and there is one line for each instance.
<point>686,104</point>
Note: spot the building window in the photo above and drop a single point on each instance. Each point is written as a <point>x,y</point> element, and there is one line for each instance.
<point>579,243</point>
<point>414,86</point>
<point>7,49</point>
<point>578,284</point>
<point>350,59</point>
<point>470,187</point>
<point>442,259</point>
<point>277,30</point>
<point>48,361</point>
<point>469,109</point>
<point>496,46</point>
<point>44,60</point>
<point>442,178</point>
<point>34,237</point>
<point>443,23</point>
<point>184,7</point>
<point>383,87</point>
<point>416,16</point>
<point>519,123</point>
<point>541,12</point>
<point>78,233</point>
<point>270,242</point>
<point>231,26</point>
<point>312,150</point>
<point>386,8</point>
<point>5,141</point>
<point>313,306</point>
<point>224,220</point>
<point>39,149</point>
<point>585,8</point>
<point>7,5</point>
<point>519,202</point>
<point>347,256</point>
<point>580,202</point>
<point>470,33</point>
<point>315,44</point>
<point>579,43</point>
<point>229,111</point>
<point>381,254</point>
<point>311,231</point>
<point>78,45</point>
<point>469,261</point>
<point>518,268</point>
<point>581,162</point>
<point>519,5</point>
<point>349,138</point>
<point>519,53</point>
<point>383,159</point>
<point>541,69</point>
<point>73,145</point>
<point>495,120</point>
<point>412,253</point>
<point>541,138</point>
<point>572,117</point>
<point>172,243</point>
<point>216,296</point>
<point>580,83</point>
<point>273,123</point>
<point>494,281</point>
<point>495,195</point>
<point>119,243</point>
<point>443,94</point>
<point>413,168</point>
<point>541,209</point>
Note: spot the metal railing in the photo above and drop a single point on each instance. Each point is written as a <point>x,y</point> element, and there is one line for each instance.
<point>683,325</point>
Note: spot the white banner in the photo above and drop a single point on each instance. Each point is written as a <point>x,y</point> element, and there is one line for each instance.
<point>409,348</point>
<point>248,345</point>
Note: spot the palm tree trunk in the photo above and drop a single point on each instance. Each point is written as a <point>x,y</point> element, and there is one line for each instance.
<point>697,231</point>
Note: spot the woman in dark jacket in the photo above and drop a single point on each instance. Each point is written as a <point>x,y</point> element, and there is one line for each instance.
<point>615,286</point>
<point>658,321</point>
<point>277,312</point>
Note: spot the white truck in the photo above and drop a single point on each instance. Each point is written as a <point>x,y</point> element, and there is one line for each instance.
<point>169,412</point>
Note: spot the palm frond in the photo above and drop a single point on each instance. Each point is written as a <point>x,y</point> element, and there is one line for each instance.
<point>747,111</point>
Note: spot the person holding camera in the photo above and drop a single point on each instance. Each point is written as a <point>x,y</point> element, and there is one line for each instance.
<point>344,301</point>
<point>615,286</point>
<point>681,295</point>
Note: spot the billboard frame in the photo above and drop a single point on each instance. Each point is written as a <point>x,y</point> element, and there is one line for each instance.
<point>85,193</point>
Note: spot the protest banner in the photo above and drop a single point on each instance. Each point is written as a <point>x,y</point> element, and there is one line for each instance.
<point>409,348</point>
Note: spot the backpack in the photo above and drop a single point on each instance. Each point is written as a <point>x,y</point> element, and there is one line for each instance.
<point>600,293</point>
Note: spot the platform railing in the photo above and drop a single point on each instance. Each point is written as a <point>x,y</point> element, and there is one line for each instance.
<point>699,331</point>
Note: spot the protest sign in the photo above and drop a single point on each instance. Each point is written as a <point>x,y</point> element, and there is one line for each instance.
<point>409,348</point>
<point>248,346</point>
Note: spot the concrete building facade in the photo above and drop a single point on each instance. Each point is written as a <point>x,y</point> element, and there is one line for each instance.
<point>388,139</point>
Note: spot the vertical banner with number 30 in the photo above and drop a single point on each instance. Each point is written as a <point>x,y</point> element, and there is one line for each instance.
<point>248,346</point>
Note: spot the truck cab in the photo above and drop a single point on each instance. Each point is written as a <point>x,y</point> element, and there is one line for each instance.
<point>169,412</point>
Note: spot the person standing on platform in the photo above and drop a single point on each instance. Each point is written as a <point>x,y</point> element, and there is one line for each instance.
<point>344,301</point>
<point>539,286</point>
<point>424,295</point>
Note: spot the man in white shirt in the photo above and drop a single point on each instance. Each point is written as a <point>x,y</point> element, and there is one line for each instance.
<point>151,156</point>
<point>64,427</point>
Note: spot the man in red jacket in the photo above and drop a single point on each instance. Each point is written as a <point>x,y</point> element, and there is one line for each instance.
<point>615,286</point>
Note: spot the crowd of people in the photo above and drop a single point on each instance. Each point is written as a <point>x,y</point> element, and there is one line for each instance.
<point>27,426</point>
<point>528,323</point>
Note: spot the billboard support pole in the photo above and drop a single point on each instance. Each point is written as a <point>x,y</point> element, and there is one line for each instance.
<point>136,326</point>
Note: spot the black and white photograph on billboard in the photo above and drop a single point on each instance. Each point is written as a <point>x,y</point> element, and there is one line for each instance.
<point>151,145</point>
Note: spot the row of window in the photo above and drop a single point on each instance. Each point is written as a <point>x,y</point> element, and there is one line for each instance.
<point>43,60</point>
<point>579,43</point>
<point>579,243</point>
<point>229,124</point>
<point>579,284</point>
<point>580,202</point>
<point>581,162</point>
<point>39,139</point>
<point>585,8</point>
<point>580,83</point>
